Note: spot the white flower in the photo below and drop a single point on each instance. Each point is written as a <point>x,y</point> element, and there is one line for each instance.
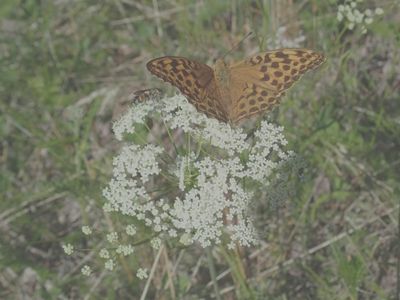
<point>358,16</point>
<point>339,16</point>
<point>178,113</point>
<point>107,207</point>
<point>350,26</point>
<point>223,136</point>
<point>132,168</point>
<point>363,30</point>
<point>350,16</point>
<point>202,209</point>
<point>368,12</point>
<point>186,239</point>
<point>378,11</point>
<point>68,249</point>
<point>157,219</point>
<point>368,20</point>
<point>125,250</point>
<point>156,243</point>
<point>148,222</point>
<point>172,233</point>
<point>137,161</point>
<point>86,270</point>
<point>141,273</point>
<point>244,233</point>
<point>112,237</point>
<point>130,230</point>
<point>86,230</point>
<point>136,114</point>
<point>104,253</point>
<point>109,265</point>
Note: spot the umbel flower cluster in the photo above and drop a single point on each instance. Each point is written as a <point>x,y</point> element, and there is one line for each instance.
<point>349,13</point>
<point>191,178</point>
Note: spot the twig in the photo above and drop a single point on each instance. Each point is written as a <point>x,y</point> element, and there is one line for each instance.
<point>153,268</point>
<point>11,214</point>
<point>170,274</point>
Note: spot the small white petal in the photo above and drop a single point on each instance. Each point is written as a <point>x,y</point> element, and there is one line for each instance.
<point>109,265</point>
<point>68,249</point>
<point>104,253</point>
<point>86,230</point>
<point>86,270</point>
<point>368,20</point>
<point>141,273</point>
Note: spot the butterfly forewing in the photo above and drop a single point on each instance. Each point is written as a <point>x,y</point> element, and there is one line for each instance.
<point>277,69</point>
<point>259,81</point>
<point>193,79</point>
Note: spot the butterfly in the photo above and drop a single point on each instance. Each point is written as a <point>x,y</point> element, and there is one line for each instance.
<point>231,93</point>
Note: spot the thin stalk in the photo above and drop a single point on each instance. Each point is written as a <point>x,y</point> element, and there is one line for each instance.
<point>213,273</point>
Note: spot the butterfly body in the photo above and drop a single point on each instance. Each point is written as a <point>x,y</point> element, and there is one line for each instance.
<point>234,92</point>
<point>222,76</point>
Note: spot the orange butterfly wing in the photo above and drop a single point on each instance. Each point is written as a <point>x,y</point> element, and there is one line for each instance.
<point>193,79</point>
<point>258,82</point>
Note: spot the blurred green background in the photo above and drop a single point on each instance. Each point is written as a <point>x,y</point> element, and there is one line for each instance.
<point>68,66</point>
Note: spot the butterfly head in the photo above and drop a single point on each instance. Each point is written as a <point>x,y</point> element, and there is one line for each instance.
<point>220,64</point>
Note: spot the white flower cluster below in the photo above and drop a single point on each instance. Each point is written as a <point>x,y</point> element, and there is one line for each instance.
<point>213,185</point>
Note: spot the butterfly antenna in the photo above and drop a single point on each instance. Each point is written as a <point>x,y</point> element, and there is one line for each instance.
<point>238,44</point>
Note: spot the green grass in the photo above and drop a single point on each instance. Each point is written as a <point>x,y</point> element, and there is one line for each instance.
<point>336,237</point>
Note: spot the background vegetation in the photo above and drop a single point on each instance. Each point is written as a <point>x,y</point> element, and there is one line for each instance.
<point>66,67</point>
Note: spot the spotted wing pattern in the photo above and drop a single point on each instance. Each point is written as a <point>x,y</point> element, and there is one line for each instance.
<point>248,87</point>
<point>193,79</point>
<point>259,81</point>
